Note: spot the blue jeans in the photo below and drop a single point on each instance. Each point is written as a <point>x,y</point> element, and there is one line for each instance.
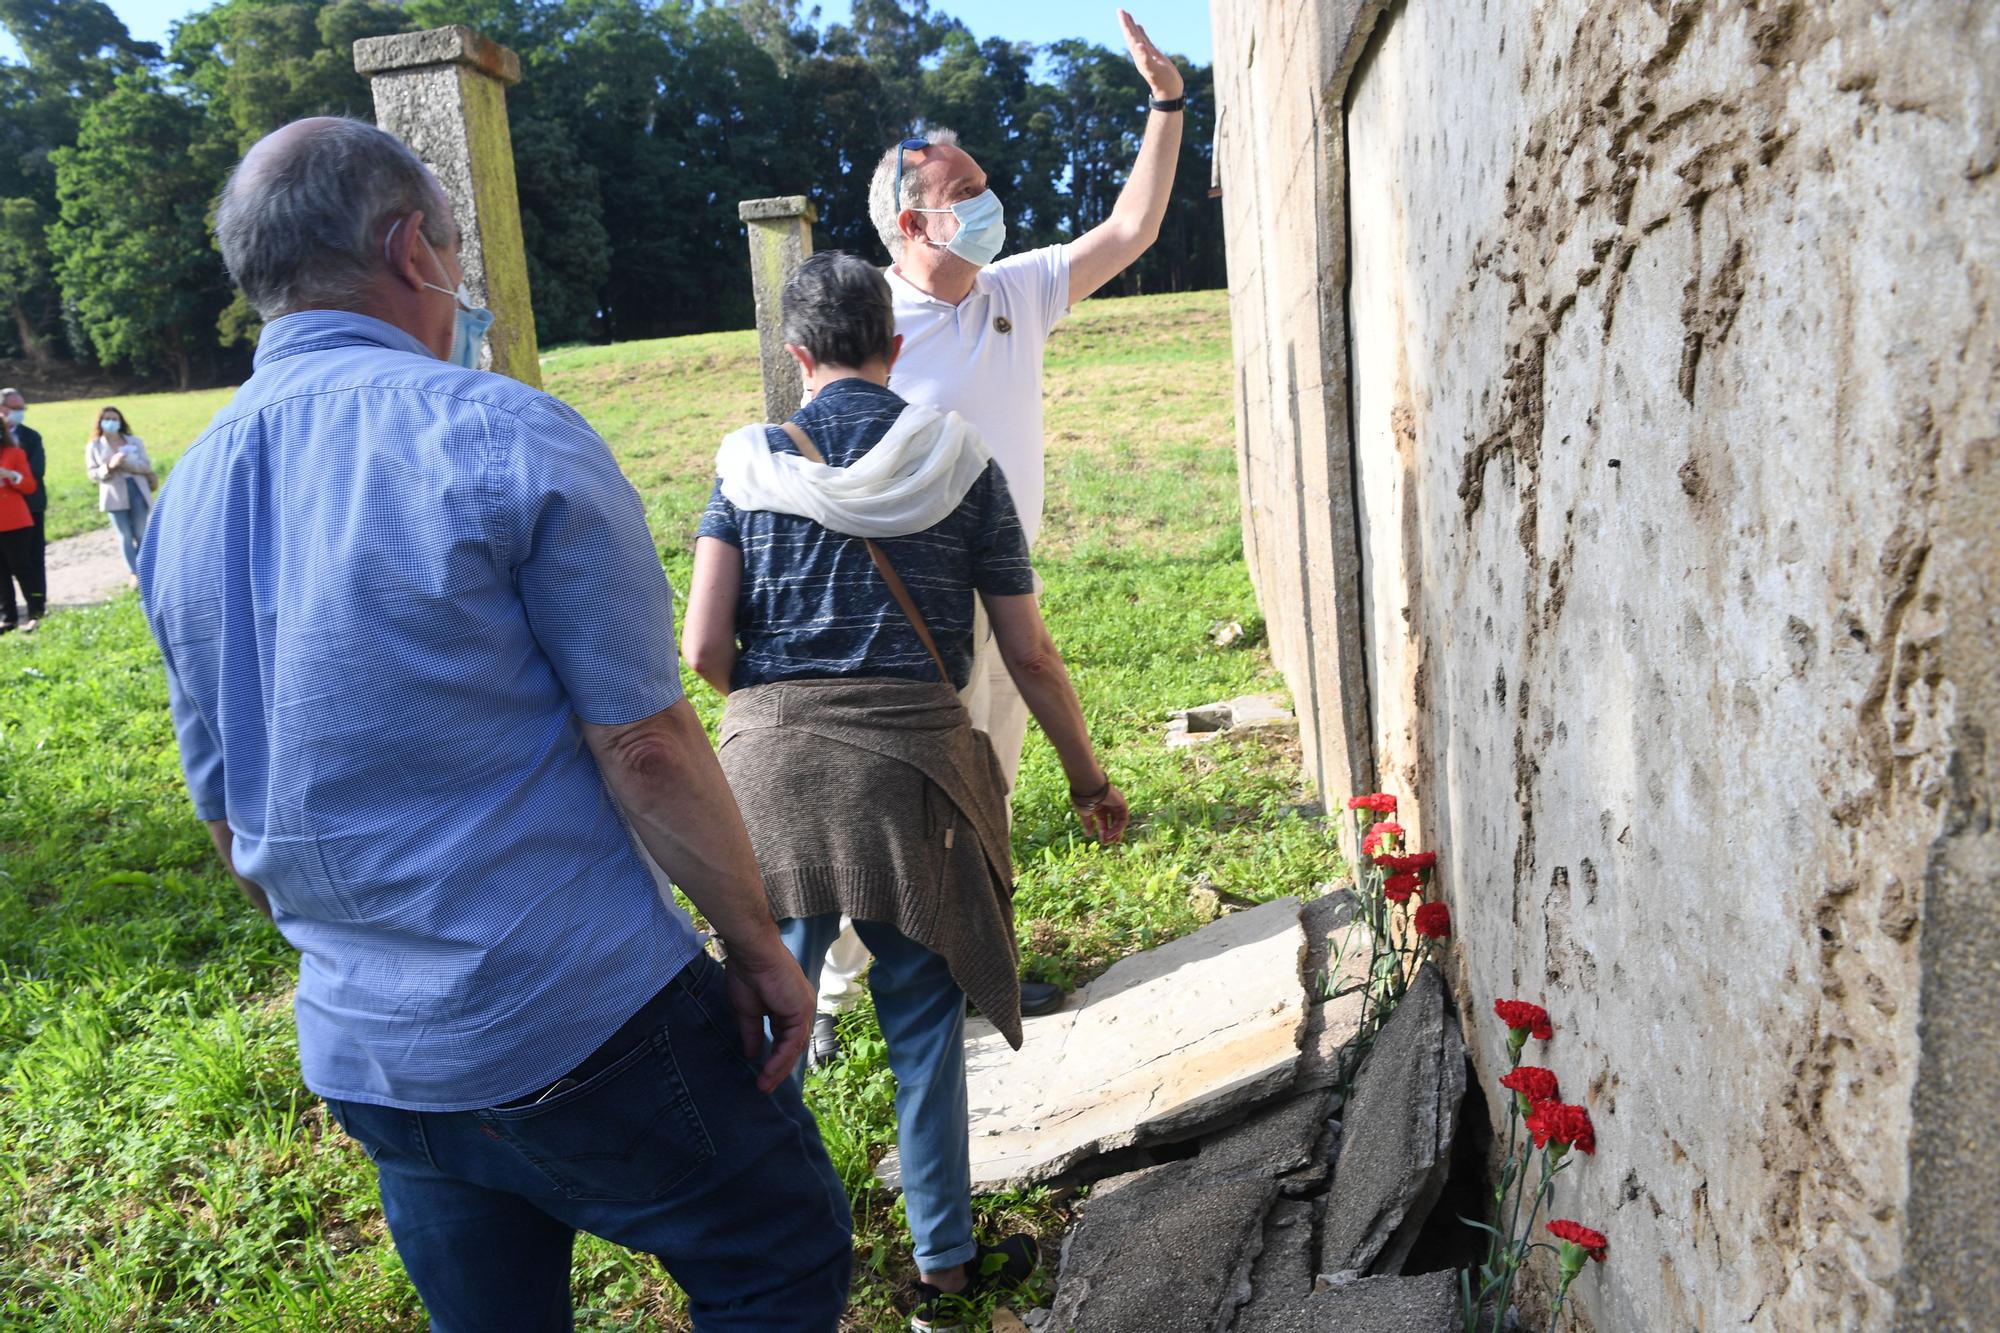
<point>130,524</point>
<point>663,1145</point>
<point>922,1012</point>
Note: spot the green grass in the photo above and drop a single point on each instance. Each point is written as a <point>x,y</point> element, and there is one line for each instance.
<point>162,1166</point>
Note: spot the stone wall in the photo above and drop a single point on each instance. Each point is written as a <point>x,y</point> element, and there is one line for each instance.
<point>1619,418</point>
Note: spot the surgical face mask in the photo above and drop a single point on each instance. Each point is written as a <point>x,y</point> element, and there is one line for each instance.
<point>15,416</point>
<point>468,330</point>
<point>110,425</point>
<point>982,228</point>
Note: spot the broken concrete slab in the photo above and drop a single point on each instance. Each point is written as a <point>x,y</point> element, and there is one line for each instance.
<point>1396,1134</point>
<point>1164,1044</point>
<point>1165,1250</point>
<point>1337,964</point>
<point>1281,1283</point>
<point>1423,1304</point>
<point>1250,712</point>
<point>1273,1141</point>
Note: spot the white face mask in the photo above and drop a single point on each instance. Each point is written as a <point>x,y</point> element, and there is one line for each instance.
<point>110,425</point>
<point>16,415</point>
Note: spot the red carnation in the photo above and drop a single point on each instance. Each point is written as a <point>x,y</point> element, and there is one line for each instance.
<point>1564,1125</point>
<point>1533,1082</point>
<point>1380,802</point>
<point>1433,921</point>
<point>1400,887</point>
<point>1520,1015</point>
<point>1419,861</point>
<point>1591,1242</point>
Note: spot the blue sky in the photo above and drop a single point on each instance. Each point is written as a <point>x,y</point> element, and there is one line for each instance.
<point>1179,27</point>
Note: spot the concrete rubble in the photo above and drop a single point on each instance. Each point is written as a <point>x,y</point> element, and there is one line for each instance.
<point>1250,712</point>
<point>1264,1221</point>
<point>1163,1046</point>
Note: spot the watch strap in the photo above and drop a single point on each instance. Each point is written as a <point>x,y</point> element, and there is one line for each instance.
<point>1167,103</point>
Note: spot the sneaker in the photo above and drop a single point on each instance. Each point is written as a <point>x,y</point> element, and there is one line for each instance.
<point>825,1046</point>
<point>1041,997</point>
<point>1008,1264</point>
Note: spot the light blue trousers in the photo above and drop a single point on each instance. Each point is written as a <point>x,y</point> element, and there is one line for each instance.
<point>130,524</point>
<point>922,1012</point>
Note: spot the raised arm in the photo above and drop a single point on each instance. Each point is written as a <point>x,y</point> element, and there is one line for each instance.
<point>1100,254</point>
<point>664,775</point>
<point>1038,671</point>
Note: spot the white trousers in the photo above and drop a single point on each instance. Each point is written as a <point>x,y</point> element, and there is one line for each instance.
<point>998,710</point>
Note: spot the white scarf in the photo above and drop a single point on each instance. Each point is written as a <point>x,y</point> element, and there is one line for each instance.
<point>912,479</point>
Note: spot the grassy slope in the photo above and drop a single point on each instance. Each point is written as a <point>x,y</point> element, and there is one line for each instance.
<point>160,1163</point>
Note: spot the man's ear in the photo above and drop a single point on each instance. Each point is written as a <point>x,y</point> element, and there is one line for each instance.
<point>805,359</point>
<point>401,249</point>
<point>895,350</point>
<point>911,224</point>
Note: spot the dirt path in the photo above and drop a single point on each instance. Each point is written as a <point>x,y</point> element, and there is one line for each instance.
<point>86,568</point>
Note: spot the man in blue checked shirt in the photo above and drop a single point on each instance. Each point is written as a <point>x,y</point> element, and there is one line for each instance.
<point>421,659</point>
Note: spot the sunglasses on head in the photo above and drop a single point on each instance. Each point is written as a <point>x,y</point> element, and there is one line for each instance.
<point>906,146</point>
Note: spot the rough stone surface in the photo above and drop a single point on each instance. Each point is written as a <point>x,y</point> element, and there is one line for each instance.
<point>443,93</point>
<point>1395,1148</point>
<point>780,240</point>
<point>1281,1283</point>
<point>1342,955</point>
<point>1424,1304</point>
<point>1163,1044</point>
<point>1547,589</point>
<point>454,45</point>
<point>1165,1250</point>
<point>1274,1141</point>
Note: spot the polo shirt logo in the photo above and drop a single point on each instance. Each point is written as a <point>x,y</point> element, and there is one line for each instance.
<point>1002,324</point>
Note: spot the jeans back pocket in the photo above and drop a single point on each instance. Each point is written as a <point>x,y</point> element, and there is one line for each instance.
<point>627,1134</point>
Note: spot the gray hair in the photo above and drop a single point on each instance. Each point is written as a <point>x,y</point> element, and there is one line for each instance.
<point>300,222</point>
<point>7,393</point>
<point>883,205</point>
<point>838,307</point>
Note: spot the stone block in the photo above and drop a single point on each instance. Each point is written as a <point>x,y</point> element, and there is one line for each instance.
<point>1163,1045</point>
<point>443,92</point>
<point>1164,1250</point>
<point>1274,1141</point>
<point>1250,712</point>
<point>1425,1304</point>
<point>1331,1024</point>
<point>1396,1135</point>
<point>780,240</point>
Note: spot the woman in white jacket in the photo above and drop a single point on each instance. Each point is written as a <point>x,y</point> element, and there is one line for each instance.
<point>117,461</point>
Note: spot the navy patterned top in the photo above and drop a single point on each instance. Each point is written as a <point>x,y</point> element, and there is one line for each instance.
<point>812,604</point>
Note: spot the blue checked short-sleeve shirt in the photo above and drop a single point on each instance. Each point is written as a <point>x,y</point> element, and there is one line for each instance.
<point>386,588</point>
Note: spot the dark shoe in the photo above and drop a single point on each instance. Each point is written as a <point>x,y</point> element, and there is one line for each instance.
<point>825,1048</point>
<point>1008,1264</point>
<point>1040,997</point>
<point>7,627</point>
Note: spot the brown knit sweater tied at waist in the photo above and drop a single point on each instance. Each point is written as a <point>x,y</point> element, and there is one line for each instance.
<point>876,798</point>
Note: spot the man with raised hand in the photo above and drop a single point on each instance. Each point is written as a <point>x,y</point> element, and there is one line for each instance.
<point>421,662</point>
<point>975,328</point>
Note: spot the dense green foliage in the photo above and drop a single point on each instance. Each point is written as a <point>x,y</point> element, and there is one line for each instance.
<point>637,127</point>
<point>161,1164</point>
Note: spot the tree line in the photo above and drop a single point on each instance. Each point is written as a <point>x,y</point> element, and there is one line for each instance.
<point>637,127</point>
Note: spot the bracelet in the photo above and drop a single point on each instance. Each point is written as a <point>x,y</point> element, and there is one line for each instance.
<point>1091,798</point>
<point>1167,103</point>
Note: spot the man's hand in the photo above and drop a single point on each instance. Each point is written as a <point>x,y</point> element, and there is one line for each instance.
<point>1159,72</point>
<point>1105,815</point>
<point>771,987</point>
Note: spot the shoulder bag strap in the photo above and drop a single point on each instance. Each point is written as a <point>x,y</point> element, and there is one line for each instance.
<point>897,589</point>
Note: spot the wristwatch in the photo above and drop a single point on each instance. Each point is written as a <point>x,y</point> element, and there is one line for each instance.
<point>1167,103</point>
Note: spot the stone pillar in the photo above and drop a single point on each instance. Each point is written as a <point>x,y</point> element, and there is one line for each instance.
<point>780,240</point>
<point>443,92</point>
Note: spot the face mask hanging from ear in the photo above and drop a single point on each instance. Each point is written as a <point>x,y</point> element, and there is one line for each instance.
<point>982,229</point>
<point>471,321</point>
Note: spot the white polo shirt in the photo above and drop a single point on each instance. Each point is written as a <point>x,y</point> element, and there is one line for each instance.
<point>982,359</point>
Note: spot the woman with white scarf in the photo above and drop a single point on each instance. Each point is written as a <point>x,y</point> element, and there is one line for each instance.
<point>117,461</point>
<point>836,576</point>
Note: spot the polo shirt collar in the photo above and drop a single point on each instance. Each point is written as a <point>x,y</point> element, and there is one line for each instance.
<point>318,330</point>
<point>909,291</point>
